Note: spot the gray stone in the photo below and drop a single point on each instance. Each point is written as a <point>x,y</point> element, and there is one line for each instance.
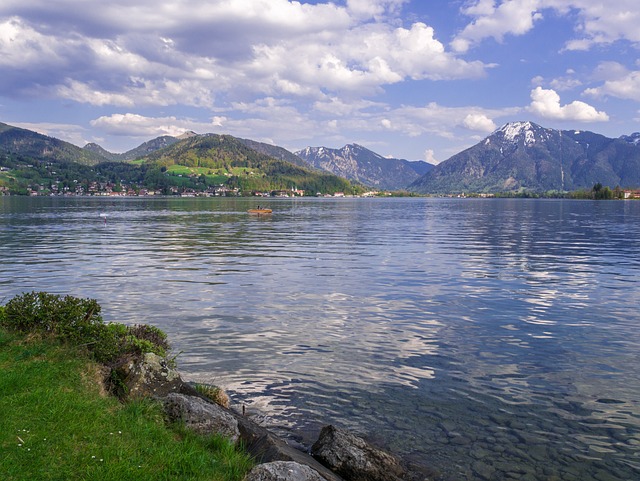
<point>460,440</point>
<point>354,459</point>
<point>479,452</point>
<point>266,447</point>
<point>484,470</point>
<point>201,416</point>
<point>538,453</point>
<point>149,376</point>
<point>283,471</point>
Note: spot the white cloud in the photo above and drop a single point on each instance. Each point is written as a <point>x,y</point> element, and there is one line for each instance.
<point>479,122</point>
<point>67,132</point>
<point>565,83</point>
<point>138,93</point>
<point>546,104</point>
<point>374,8</point>
<point>609,71</point>
<point>480,8</point>
<point>163,53</point>
<point>293,126</point>
<point>596,22</point>
<point>514,17</point>
<point>22,46</point>
<point>537,81</point>
<point>626,87</point>
<point>431,119</point>
<point>362,60</point>
<point>429,156</point>
<point>601,22</point>
<point>342,107</point>
<point>417,54</point>
<point>135,125</point>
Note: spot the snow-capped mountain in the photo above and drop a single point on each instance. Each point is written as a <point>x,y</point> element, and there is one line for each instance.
<point>526,156</point>
<point>359,164</point>
<point>634,138</point>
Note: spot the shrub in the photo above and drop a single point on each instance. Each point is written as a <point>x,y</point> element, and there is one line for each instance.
<point>154,336</point>
<point>68,317</point>
<point>110,343</point>
<point>78,322</point>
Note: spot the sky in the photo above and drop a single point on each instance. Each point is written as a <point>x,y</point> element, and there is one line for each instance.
<point>411,79</point>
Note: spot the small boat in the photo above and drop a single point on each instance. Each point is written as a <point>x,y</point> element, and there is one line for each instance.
<point>260,211</point>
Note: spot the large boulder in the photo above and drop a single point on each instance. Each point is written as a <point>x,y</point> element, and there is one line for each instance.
<point>266,447</point>
<point>354,459</point>
<point>283,471</point>
<point>147,376</point>
<point>201,416</point>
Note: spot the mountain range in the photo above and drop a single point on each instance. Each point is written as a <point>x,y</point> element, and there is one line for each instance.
<point>31,162</point>
<point>519,156</point>
<point>359,164</point>
<point>523,156</point>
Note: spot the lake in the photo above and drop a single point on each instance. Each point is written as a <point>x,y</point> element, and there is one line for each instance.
<point>485,338</point>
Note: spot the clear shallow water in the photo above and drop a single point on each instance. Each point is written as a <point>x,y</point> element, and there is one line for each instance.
<point>489,339</point>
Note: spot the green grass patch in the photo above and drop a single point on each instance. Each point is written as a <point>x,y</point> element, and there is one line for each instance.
<point>184,170</point>
<point>214,176</point>
<point>58,424</point>
<point>211,172</point>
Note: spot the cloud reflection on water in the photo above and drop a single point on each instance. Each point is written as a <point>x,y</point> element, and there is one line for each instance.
<point>464,308</point>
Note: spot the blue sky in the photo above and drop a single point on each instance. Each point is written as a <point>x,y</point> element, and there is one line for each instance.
<point>419,79</point>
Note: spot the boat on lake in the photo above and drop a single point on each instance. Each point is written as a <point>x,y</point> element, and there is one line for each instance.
<point>259,211</point>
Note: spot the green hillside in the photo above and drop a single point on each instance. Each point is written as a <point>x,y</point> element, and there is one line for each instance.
<point>17,141</point>
<point>34,164</point>
<point>226,158</point>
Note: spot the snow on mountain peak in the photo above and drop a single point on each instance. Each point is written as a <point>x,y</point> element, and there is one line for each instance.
<point>513,131</point>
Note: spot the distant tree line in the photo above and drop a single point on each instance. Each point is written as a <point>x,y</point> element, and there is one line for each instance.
<point>599,192</point>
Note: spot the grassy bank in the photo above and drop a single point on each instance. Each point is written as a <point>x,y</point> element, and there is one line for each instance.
<point>57,423</point>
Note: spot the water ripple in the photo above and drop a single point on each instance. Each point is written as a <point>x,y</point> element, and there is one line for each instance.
<point>455,330</point>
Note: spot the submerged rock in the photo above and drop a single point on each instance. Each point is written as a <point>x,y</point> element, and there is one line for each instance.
<point>354,459</point>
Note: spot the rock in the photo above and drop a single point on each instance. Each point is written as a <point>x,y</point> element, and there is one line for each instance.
<point>201,416</point>
<point>283,471</point>
<point>149,376</point>
<point>354,459</point>
<point>266,447</point>
<point>484,470</point>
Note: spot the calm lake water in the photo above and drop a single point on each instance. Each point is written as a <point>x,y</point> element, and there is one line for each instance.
<point>489,339</point>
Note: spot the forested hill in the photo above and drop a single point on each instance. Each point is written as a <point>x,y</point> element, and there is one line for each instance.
<point>15,141</point>
<point>246,168</point>
<point>275,152</point>
<point>34,164</point>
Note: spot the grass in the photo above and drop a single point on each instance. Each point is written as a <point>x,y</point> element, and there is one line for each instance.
<point>214,176</point>
<point>57,424</point>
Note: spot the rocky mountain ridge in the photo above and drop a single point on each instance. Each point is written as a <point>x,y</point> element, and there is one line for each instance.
<point>357,163</point>
<point>525,156</point>
<point>519,156</point>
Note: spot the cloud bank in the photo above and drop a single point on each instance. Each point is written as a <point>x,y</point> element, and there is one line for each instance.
<point>343,71</point>
<point>546,104</point>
